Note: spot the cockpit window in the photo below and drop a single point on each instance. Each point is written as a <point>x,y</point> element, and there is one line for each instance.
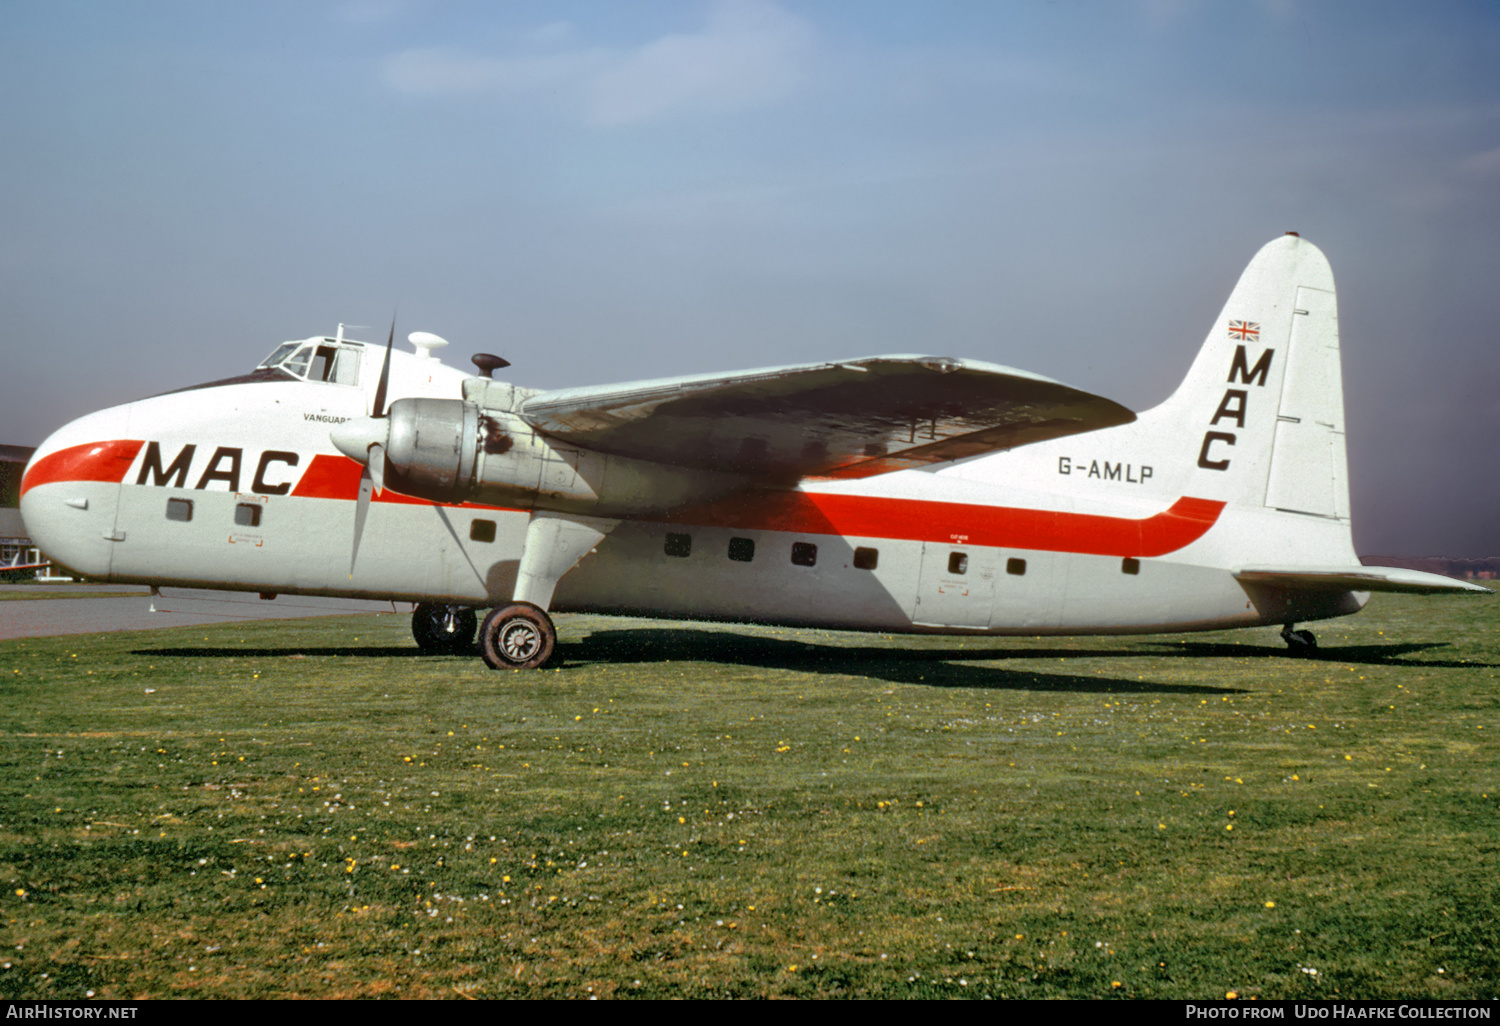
<point>313,362</point>
<point>336,364</point>
<point>282,351</point>
<point>297,362</point>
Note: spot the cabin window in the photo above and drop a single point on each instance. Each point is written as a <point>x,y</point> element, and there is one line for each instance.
<point>1130,565</point>
<point>804,554</point>
<point>742,550</point>
<point>247,514</point>
<point>180,509</point>
<point>680,545</point>
<point>866,559</point>
<point>958,562</point>
<point>1015,566</point>
<point>482,531</point>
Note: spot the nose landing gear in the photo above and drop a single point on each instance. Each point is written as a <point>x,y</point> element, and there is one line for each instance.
<point>443,630</point>
<point>1300,642</point>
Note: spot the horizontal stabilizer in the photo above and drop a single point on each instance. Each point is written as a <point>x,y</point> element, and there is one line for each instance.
<point>1355,578</point>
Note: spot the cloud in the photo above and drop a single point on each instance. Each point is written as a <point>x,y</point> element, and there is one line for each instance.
<point>1483,166</point>
<point>444,71</point>
<point>749,53</point>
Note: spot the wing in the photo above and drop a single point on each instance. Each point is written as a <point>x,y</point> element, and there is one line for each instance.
<point>849,419</point>
<point>1356,578</point>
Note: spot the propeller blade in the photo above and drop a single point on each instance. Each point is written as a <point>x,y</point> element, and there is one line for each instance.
<point>385,373</point>
<point>361,508</point>
<point>375,466</point>
<point>372,479</point>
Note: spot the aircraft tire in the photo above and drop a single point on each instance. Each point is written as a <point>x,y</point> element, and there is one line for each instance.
<point>519,636</point>
<point>437,632</point>
<point>1301,642</point>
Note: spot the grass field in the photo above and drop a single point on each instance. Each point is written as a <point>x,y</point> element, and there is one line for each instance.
<point>312,808</point>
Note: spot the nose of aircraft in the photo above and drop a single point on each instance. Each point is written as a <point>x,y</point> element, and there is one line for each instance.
<point>70,491</point>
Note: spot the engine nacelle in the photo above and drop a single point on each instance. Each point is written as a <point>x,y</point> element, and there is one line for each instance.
<point>430,448</point>
<point>452,450</point>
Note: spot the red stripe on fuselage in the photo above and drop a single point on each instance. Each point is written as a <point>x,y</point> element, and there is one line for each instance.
<point>337,477</point>
<point>855,516</point>
<point>860,516</point>
<point>94,461</point>
<point>329,477</point>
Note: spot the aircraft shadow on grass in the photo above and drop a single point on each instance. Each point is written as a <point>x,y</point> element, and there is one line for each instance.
<point>1365,655</point>
<point>951,666</point>
<point>947,666</point>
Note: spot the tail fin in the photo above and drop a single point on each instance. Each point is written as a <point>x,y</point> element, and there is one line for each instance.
<point>1262,408</point>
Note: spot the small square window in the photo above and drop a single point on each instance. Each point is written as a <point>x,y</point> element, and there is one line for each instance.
<point>180,509</point>
<point>742,550</point>
<point>1015,566</point>
<point>958,562</point>
<point>866,559</point>
<point>804,554</point>
<point>1129,565</point>
<point>247,514</point>
<point>482,530</point>
<point>680,545</point>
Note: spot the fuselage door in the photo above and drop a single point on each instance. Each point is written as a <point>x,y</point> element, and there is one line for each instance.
<point>956,587</point>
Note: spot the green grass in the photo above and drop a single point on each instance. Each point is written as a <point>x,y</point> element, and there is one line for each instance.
<point>311,808</point>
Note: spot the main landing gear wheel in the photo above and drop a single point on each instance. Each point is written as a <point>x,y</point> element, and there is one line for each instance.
<point>1300,642</point>
<point>443,629</point>
<point>519,636</point>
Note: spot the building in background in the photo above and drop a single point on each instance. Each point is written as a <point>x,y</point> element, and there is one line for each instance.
<point>18,556</point>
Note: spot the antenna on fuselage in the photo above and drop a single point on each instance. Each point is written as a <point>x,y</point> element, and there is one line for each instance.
<point>342,326</point>
<point>424,342</point>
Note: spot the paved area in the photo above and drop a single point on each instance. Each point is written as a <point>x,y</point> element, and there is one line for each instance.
<point>95,608</point>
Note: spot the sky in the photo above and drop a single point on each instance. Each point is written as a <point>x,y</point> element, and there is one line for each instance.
<point>604,191</point>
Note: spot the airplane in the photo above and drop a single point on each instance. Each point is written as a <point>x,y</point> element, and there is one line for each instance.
<point>901,493</point>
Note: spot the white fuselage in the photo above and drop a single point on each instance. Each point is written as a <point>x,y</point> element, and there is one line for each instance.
<point>237,486</point>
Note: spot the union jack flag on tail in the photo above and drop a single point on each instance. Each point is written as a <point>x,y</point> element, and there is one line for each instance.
<point>1245,331</point>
